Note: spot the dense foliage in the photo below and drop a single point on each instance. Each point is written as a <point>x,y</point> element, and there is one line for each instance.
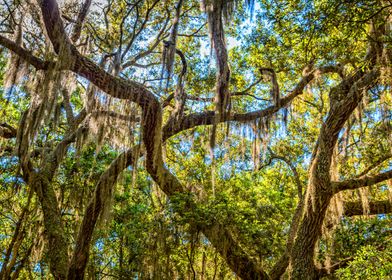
<point>204,139</point>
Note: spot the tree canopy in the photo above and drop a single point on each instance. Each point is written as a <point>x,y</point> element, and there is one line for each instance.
<point>147,139</point>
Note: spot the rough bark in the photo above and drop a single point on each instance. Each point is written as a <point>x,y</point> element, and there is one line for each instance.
<point>281,265</point>
<point>152,123</point>
<point>94,210</point>
<point>41,182</point>
<point>344,98</point>
<point>80,20</point>
<point>25,54</point>
<point>123,89</point>
<point>214,11</point>
<point>352,208</point>
<point>363,181</point>
<point>54,228</point>
<point>320,188</point>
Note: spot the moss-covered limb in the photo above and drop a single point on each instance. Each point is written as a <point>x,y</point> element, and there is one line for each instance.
<point>152,138</point>
<point>355,208</point>
<point>237,259</point>
<point>41,182</point>
<point>179,94</point>
<point>26,55</point>
<point>170,45</point>
<point>363,181</point>
<point>54,227</point>
<point>125,89</point>
<point>152,122</point>
<point>280,267</point>
<point>215,12</point>
<point>173,127</point>
<point>67,106</point>
<point>55,27</point>
<point>95,209</point>
<point>80,20</point>
<point>320,191</point>
<point>152,133</point>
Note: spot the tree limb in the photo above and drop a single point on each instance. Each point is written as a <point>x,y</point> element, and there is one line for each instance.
<point>355,208</point>
<point>382,159</point>
<point>151,120</point>
<point>97,204</point>
<point>208,117</point>
<point>80,20</point>
<point>26,55</point>
<point>363,181</point>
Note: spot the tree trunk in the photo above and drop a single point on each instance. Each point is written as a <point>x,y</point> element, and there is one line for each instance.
<point>302,256</point>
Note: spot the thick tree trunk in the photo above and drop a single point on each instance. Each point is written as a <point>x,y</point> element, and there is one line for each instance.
<point>302,255</point>
<point>318,199</point>
<point>344,98</point>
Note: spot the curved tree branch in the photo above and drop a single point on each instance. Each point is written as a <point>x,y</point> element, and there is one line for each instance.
<point>344,98</point>
<point>151,124</point>
<point>152,130</point>
<point>98,202</point>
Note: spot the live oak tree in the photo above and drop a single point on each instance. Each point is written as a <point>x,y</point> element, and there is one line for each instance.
<point>264,153</point>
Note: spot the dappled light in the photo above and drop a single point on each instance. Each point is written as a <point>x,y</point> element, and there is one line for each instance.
<point>202,140</point>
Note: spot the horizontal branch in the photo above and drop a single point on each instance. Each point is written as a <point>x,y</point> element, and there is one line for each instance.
<point>363,181</point>
<point>375,208</point>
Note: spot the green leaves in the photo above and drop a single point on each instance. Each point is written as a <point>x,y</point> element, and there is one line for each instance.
<point>370,262</point>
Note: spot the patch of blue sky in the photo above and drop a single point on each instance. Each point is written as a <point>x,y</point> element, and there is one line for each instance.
<point>99,245</point>
<point>382,216</point>
<point>13,94</point>
<point>37,268</point>
<point>226,170</point>
<point>4,236</point>
<point>6,162</point>
<point>185,147</point>
<point>13,179</point>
